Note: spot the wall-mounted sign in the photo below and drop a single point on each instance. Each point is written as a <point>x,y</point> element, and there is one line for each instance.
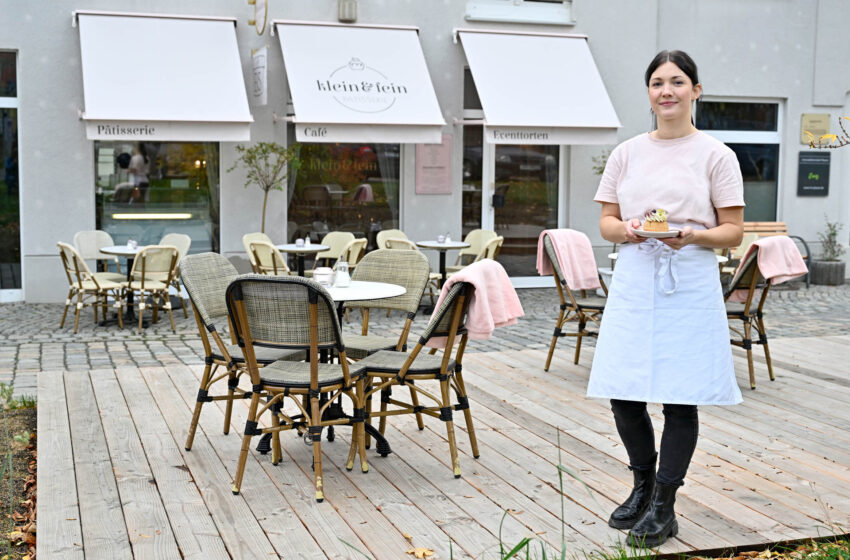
<point>816,123</point>
<point>433,167</point>
<point>259,84</point>
<point>813,177</point>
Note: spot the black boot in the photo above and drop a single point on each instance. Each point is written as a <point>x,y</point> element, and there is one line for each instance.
<point>625,516</point>
<point>659,522</point>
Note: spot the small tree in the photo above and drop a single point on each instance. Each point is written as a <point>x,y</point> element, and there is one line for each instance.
<point>832,249</point>
<point>267,165</point>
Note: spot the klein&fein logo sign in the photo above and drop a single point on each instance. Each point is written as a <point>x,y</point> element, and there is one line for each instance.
<point>361,88</point>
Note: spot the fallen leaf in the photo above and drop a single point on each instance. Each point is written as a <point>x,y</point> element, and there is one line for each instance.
<point>421,552</point>
<point>408,537</point>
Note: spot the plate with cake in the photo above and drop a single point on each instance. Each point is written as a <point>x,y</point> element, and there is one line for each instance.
<point>655,225</point>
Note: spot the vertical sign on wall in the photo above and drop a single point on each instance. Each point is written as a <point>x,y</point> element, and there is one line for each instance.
<point>433,167</point>
<point>259,84</point>
<point>813,176</point>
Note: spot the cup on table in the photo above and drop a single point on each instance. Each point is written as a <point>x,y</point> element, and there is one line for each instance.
<point>299,242</point>
<point>324,276</point>
<point>441,238</point>
<point>132,244</point>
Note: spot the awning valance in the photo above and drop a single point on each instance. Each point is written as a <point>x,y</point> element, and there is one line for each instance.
<point>359,84</point>
<point>162,78</point>
<point>539,89</point>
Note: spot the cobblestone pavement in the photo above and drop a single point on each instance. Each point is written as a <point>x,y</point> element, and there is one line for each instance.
<point>31,340</point>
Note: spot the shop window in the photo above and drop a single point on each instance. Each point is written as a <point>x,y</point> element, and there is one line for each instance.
<point>10,216</point>
<point>752,131</point>
<point>344,187</point>
<point>8,80</point>
<point>147,189</point>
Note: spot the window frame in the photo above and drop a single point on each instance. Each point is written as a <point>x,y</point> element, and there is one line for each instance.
<point>755,137</point>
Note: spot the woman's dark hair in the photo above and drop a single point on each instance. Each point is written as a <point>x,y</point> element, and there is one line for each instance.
<point>679,58</point>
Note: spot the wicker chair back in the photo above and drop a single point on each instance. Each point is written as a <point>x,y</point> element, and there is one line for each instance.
<point>409,269</point>
<point>206,277</point>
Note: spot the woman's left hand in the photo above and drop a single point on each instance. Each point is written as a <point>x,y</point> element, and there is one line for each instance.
<point>686,237</point>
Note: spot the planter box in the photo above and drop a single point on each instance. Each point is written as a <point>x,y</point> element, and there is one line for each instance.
<point>828,273</point>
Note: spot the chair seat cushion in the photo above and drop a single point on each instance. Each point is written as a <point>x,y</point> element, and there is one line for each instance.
<point>296,375</point>
<point>592,301</point>
<point>90,286</point>
<point>264,355</point>
<point>358,346</point>
<point>150,285</point>
<point>110,276</point>
<point>736,308</point>
<point>388,361</point>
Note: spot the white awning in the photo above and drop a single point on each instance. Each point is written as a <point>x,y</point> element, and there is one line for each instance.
<point>162,78</point>
<point>539,89</point>
<point>359,84</point>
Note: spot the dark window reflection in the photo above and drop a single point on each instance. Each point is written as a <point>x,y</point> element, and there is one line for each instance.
<point>147,189</point>
<point>344,187</point>
<point>725,115</point>
<point>471,101</point>
<point>8,79</point>
<point>10,217</point>
<point>759,167</point>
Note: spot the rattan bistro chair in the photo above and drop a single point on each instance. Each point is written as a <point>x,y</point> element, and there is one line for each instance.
<point>387,369</point>
<point>581,307</point>
<point>89,288</point>
<point>88,244</point>
<point>206,277</point>
<point>246,243</point>
<point>748,280</point>
<point>490,250</point>
<point>268,259</point>
<point>153,271</point>
<point>409,269</point>
<point>294,313</point>
<point>183,242</point>
<point>404,244</point>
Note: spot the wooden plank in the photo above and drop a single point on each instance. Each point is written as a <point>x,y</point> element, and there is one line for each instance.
<point>189,519</point>
<point>582,443</point>
<point>545,404</point>
<point>242,534</point>
<point>282,500</point>
<point>144,515</point>
<point>101,517</point>
<point>58,524</point>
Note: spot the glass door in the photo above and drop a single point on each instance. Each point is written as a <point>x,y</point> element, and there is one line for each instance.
<point>522,198</point>
<point>10,221</point>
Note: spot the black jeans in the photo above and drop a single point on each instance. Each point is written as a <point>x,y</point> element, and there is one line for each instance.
<point>678,441</point>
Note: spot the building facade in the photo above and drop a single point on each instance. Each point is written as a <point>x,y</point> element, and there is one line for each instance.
<point>125,116</point>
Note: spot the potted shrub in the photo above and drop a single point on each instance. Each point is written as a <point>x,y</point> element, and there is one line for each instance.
<point>829,269</point>
<point>267,165</point>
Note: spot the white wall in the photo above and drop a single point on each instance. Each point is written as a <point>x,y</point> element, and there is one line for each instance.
<point>794,52</point>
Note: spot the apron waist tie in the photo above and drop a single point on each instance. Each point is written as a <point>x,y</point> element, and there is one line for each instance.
<point>665,264</point>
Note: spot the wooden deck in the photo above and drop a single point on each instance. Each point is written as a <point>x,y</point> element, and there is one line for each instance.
<point>115,482</point>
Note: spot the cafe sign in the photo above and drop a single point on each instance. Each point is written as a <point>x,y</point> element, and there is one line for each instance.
<point>813,175</point>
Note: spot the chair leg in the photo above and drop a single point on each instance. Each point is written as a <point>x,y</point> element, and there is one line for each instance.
<point>232,380</point>
<point>315,426</point>
<point>463,404</point>
<point>141,306</point>
<point>446,417</point>
<point>748,346</point>
<point>578,345</point>
<point>367,439</point>
<point>170,313</point>
<point>385,399</point>
<point>196,415</point>
<point>119,306</point>
<point>555,337</point>
<point>414,400</point>
<point>250,425</point>
<point>763,341</point>
<point>277,455</point>
<point>67,303</point>
<point>79,306</point>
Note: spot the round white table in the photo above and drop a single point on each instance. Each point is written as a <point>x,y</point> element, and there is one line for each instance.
<point>128,253</point>
<point>360,290</point>
<point>442,248</point>
<point>300,251</point>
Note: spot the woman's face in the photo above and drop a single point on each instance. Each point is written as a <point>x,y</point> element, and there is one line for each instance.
<point>671,93</point>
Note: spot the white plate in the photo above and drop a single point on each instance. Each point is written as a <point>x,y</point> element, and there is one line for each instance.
<point>657,234</point>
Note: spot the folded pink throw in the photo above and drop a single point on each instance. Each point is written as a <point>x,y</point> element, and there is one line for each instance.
<point>779,260</point>
<point>575,257</point>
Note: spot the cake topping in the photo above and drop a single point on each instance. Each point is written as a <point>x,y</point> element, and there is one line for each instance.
<point>656,215</point>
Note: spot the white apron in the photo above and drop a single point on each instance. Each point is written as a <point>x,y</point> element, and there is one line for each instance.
<point>664,336</point>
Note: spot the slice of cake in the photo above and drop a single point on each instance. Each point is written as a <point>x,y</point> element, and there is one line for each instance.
<point>656,220</point>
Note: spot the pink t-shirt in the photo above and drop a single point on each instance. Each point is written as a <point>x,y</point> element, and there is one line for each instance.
<point>689,177</point>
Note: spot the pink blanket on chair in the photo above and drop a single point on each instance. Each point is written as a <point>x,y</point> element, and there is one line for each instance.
<point>779,260</point>
<point>494,302</point>
<point>575,257</point>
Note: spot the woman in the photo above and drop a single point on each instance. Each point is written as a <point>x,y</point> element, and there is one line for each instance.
<point>139,169</point>
<point>664,336</point>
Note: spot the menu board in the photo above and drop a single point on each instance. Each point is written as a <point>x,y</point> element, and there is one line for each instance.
<point>813,176</point>
<point>433,167</point>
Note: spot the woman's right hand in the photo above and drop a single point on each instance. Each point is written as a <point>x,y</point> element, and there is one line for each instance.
<point>630,227</point>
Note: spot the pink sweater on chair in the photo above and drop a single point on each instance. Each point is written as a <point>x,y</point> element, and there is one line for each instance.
<point>494,302</point>
<point>575,257</point>
<point>779,260</point>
